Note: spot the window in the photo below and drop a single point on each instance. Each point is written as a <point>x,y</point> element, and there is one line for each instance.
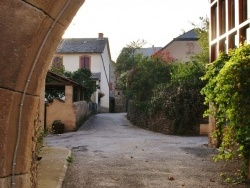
<point>214,21</point>
<point>57,61</point>
<point>222,15</point>
<point>84,62</point>
<point>243,9</point>
<point>231,14</point>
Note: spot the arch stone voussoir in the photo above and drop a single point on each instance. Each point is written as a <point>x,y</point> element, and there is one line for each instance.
<point>29,37</point>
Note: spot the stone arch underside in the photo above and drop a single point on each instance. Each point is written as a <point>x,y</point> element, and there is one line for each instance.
<point>24,28</point>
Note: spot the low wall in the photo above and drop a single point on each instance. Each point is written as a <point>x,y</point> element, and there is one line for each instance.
<point>120,103</point>
<point>159,122</point>
<point>72,115</point>
<point>82,111</point>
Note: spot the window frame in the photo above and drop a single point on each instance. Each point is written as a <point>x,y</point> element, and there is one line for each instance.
<point>82,64</point>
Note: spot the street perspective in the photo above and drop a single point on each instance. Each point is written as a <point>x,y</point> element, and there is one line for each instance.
<point>108,151</point>
<point>125,94</point>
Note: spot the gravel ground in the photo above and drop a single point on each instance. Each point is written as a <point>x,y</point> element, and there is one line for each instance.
<point>108,152</point>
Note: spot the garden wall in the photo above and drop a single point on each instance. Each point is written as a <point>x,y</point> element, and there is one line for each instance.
<point>71,115</point>
<point>158,122</point>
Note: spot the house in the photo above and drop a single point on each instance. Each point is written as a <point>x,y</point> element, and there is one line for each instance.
<point>63,93</point>
<point>180,48</point>
<point>93,54</point>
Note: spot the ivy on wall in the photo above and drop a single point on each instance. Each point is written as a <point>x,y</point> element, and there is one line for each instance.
<point>227,90</point>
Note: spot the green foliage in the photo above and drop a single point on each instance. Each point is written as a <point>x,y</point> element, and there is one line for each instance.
<point>52,93</point>
<point>128,59</point>
<point>57,68</point>
<point>181,98</point>
<point>40,139</point>
<point>155,86</point>
<point>69,159</point>
<point>142,80</point>
<point>202,32</point>
<point>83,77</point>
<point>228,91</point>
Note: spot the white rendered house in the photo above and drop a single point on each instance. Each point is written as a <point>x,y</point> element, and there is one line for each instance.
<point>92,54</point>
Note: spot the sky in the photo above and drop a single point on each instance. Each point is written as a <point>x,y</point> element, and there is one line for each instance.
<point>124,21</point>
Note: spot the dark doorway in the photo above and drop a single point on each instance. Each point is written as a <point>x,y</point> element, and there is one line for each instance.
<point>112,105</point>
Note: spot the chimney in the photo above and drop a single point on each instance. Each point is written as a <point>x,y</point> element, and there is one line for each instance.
<point>100,35</point>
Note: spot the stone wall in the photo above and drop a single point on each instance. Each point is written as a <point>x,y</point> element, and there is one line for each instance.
<point>83,110</point>
<point>158,122</point>
<point>120,101</point>
<point>72,115</point>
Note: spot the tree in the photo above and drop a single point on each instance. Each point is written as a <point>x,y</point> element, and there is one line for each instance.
<point>56,67</point>
<point>164,56</point>
<point>83,77</point>
<point>128,58</point>
<point>173,87</point>
<point>148,74</point>
<point>202,32</point>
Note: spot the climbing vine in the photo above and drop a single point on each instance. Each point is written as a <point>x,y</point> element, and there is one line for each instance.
<point>227,92</point>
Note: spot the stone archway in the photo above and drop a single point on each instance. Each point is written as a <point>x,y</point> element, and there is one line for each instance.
<point>30,31</point>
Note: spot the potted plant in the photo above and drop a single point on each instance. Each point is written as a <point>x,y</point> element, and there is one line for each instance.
<point>57,127</point>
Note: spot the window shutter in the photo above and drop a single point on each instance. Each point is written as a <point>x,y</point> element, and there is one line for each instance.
<point>84,62</point>
<point>81,64</point>
<point>87,63</point>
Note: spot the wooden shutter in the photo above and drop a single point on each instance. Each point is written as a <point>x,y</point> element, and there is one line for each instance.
<point>87,63</point>
<point>84,62</point>
<point>81,63</point>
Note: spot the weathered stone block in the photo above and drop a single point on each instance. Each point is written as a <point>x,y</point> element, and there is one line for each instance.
<point>16,39</point>
<point>11,100</point>
<point>19,180</point>
<point>54,7</point>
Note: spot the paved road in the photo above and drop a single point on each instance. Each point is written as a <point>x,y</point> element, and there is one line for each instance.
<point>109,152</point>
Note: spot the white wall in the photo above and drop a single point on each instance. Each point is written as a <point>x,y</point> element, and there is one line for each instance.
<point>71,63</point>
<point>104,86</point>
<point>178,49</point>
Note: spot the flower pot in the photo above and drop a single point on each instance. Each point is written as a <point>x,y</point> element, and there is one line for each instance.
<point>57,127</point>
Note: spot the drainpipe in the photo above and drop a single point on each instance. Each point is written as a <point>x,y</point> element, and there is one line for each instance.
<point>25,91</point>
<point>104,70</point>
